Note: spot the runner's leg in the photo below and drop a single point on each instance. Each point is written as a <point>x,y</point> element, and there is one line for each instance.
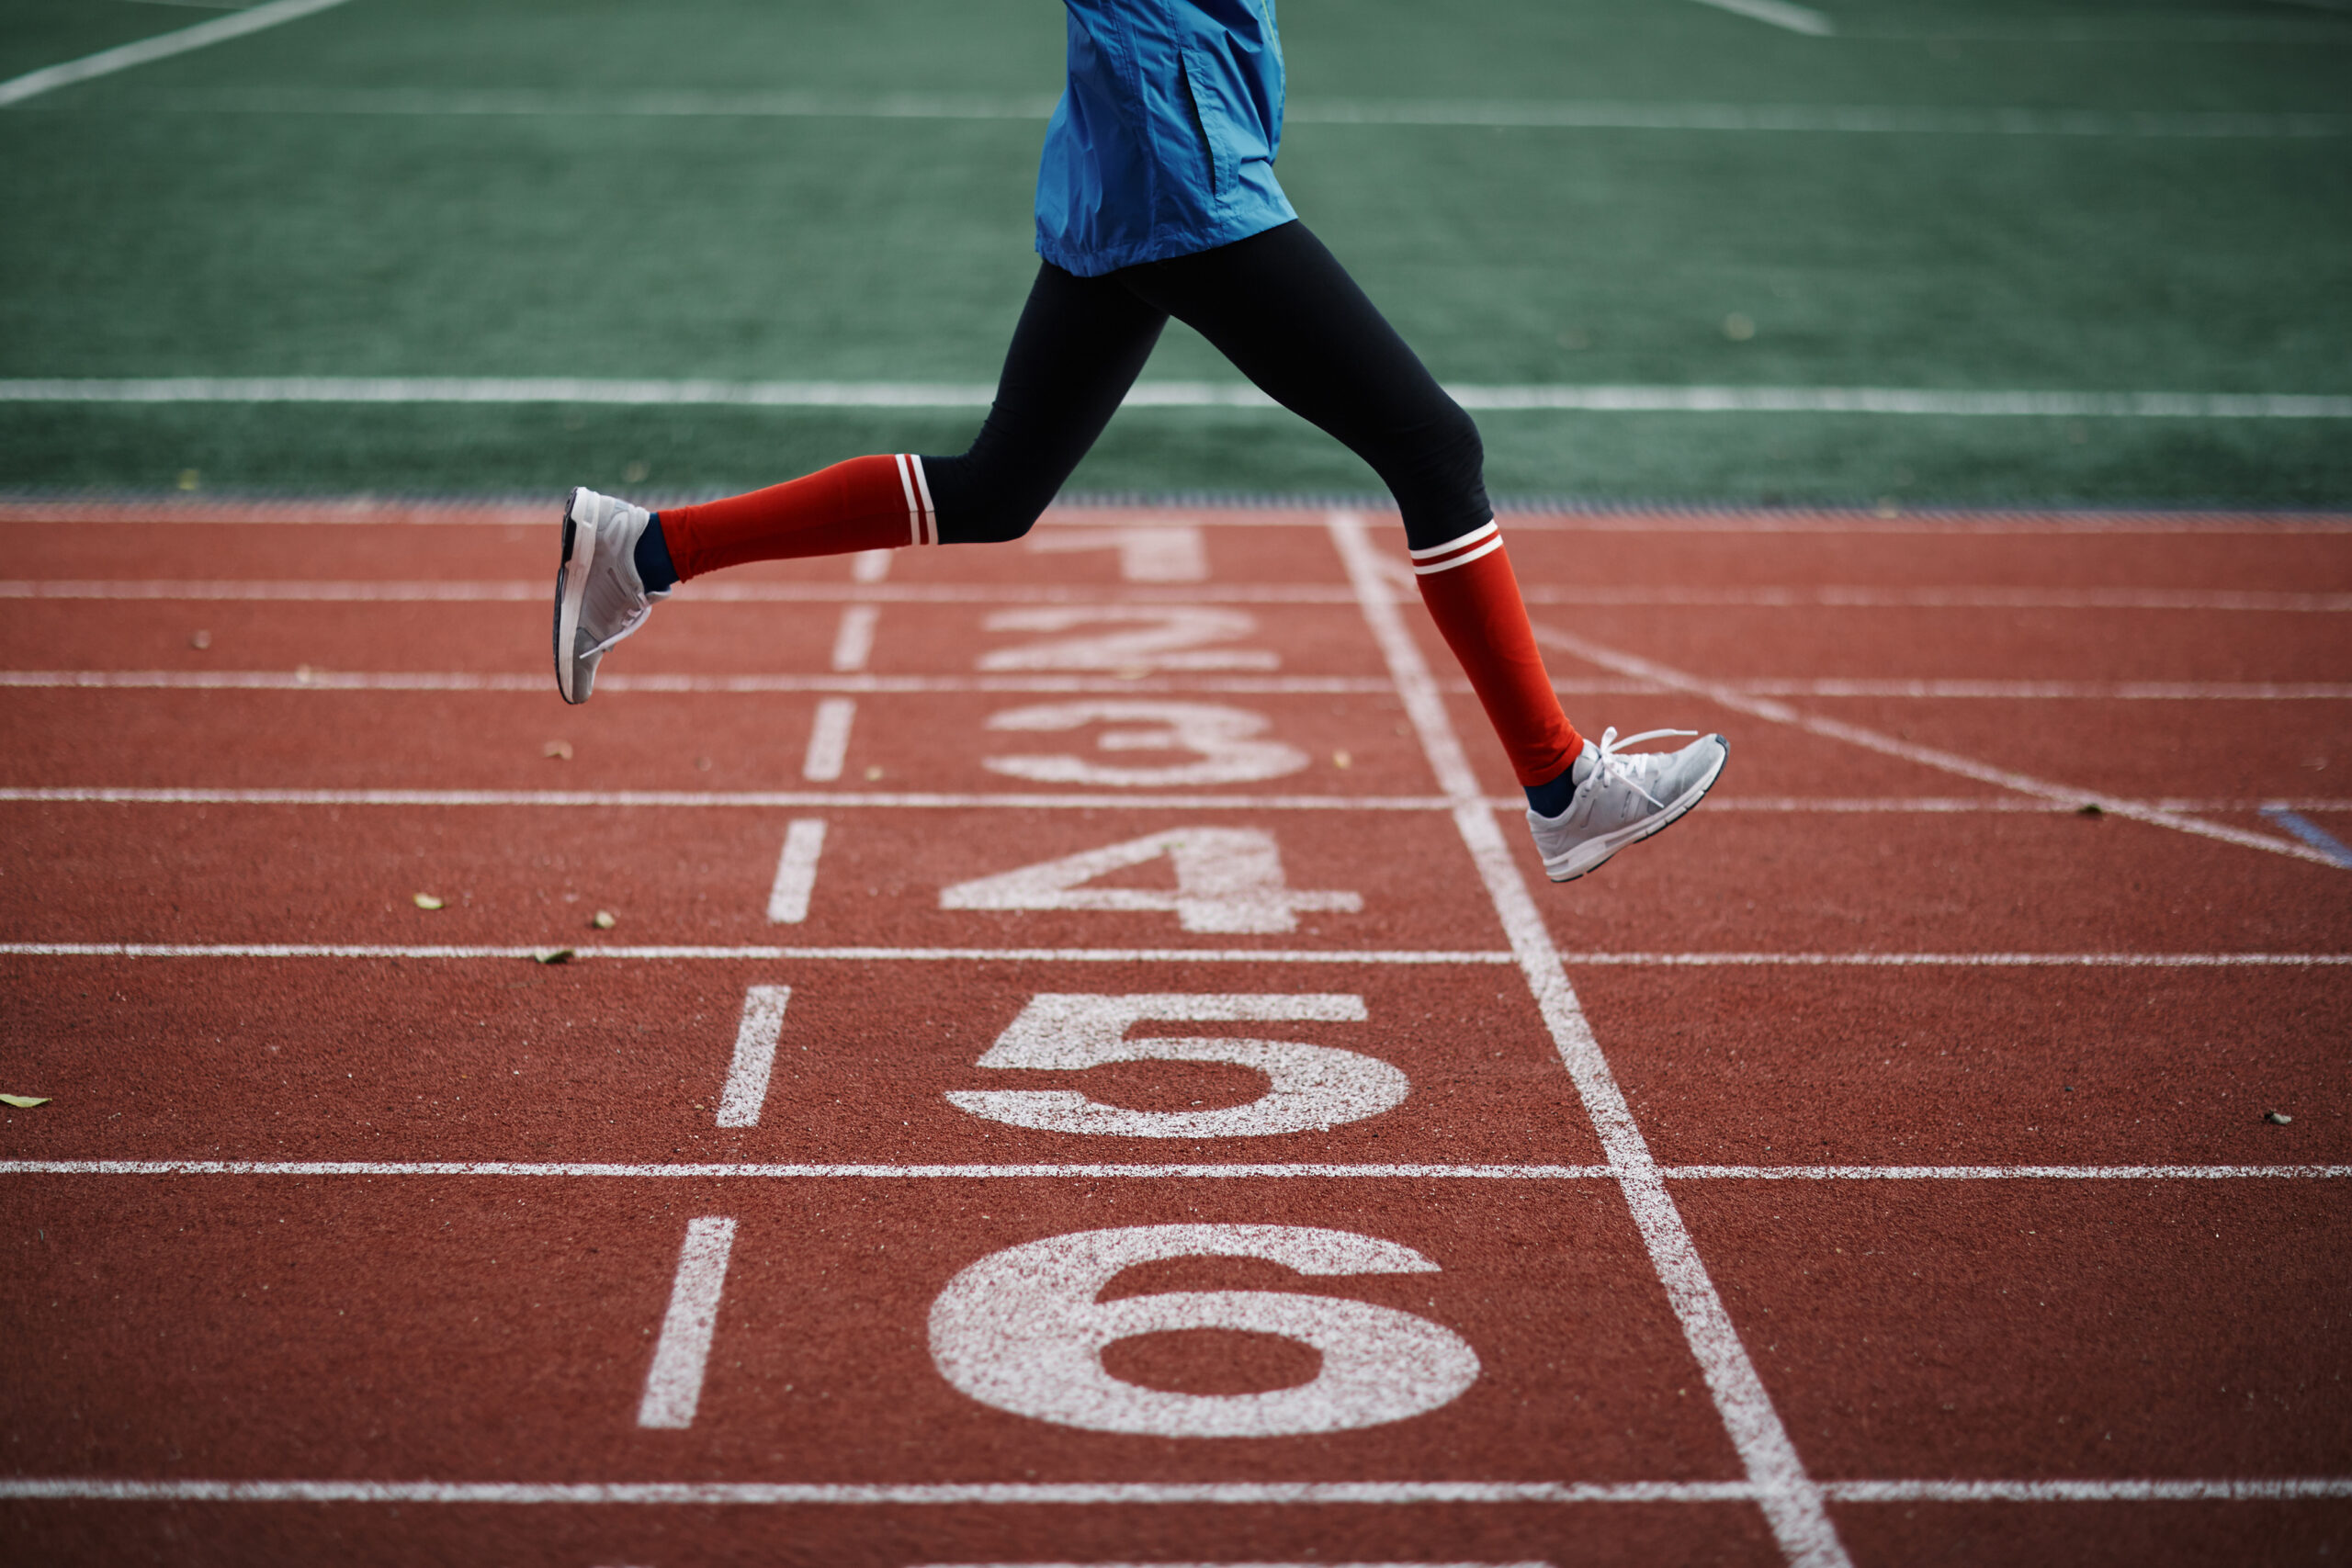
<point>1281,306</point>
<point>1080,345</point>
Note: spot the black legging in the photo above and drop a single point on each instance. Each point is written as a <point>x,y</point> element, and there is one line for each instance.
<point>1280,307</point>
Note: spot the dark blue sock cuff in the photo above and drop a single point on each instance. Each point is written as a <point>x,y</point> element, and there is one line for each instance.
<point>653,557</point>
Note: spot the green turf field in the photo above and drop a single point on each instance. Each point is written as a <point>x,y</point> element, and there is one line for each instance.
<point>840,192</point>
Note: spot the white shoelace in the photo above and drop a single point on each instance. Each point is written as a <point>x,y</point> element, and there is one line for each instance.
<point>1608,762</point>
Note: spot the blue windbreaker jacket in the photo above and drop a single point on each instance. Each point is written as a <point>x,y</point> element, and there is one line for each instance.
<point>1164,140</point>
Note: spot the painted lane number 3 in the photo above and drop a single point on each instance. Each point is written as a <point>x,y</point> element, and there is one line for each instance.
<point>1309,1087</point>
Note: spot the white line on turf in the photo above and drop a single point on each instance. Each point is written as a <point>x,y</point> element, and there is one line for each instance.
<point>1927,756</point>
<point>1778,14</point>
<point>795,872</point>
<point>674,1383</point>
<point>1790,1501</point>
<point>746,1094</point>
<point>575,1170</point>
<point>705,1493</point>
<point>1926,401</point>
<point>726,954</point>
<point>1525,114</point>
<point>829,740</point>
<point>1636,596</point>
<point>853,641</point>
<point>107,61</point>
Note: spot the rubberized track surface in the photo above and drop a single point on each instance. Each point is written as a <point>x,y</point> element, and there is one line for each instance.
<point>1875,1168</point>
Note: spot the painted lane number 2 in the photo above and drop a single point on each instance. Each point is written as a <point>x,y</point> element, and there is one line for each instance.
<point>1021,1330</point>
<point>1309,1087</point>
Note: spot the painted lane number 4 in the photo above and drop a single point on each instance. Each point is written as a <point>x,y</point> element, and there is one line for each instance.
<point>1228,879</point>
<point>1021,1330</point>
<point>1309,1087</point>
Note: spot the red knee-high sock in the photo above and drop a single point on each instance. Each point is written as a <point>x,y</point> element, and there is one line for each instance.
<point>1472,594</point>
<point>867,503</point>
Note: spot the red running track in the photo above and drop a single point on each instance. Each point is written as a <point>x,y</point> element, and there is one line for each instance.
<point>1085,1069</point>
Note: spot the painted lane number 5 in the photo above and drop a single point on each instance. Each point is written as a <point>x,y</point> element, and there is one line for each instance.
<point>1021,1330</point>
<point>1309,1087</point>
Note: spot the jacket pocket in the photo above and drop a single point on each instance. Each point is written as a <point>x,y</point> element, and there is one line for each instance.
<point>1210,122</point>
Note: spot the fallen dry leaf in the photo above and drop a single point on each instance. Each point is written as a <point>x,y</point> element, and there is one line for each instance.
<point>428,902</point>
<point>560,750</point>
<point>24,1101</point>
<point>561,955</point>
<point>604,921</point>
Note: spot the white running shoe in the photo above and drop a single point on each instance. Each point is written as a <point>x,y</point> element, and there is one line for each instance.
<point>1623,799</point>
<point>599,597</point>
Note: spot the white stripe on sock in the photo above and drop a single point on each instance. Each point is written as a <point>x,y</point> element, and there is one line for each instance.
<point>1472,537</point>
<point>922,488</point>
<point>914,511</point>
<point>1489,548</point>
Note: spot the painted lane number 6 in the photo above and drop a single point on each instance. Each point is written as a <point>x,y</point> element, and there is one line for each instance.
<point>1021,1330</point>
<point>1309,1087</point>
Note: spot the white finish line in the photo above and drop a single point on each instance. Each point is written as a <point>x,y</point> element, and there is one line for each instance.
<point>1791,1500</point>
<point>1520,399</point>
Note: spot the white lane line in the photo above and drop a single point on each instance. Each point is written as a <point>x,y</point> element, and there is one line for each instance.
<point>576,1170</point>
<point>304,679</point>
<point>1778,14</point>
<point>854,642</point>
<point>674,1383</point>
<point>768,954</point>
<point>829,740</point>
<point>795,872</point>
<point>746,1094</point>
<point>870,566</point>
<point>108,61</point>
<point>740,799</point>
<point>1526,114</point>
<point>1634,595</point>
<point>2281,1490</point>
<point>1790,1501</point>
<point>1838,596</point>
<point>1533,1563</point>
<point>703,1494</point>
<point>589,1171</point>
<point>1926,401</point>
<point>2005,1172</point>
<point>1946,761</point>
<point>724,955</point>
<point>785,1493</point>
<point>860,591</point>
<point>1924,805</point>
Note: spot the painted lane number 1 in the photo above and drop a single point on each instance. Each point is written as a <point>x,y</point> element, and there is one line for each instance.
<point>1309,1087</point>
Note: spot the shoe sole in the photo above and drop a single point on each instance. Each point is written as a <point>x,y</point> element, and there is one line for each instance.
<point>1653,826</point>
<point>570,592</point>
